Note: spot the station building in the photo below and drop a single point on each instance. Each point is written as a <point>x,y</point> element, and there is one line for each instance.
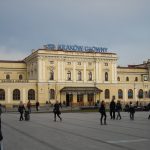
<point>72,78</point>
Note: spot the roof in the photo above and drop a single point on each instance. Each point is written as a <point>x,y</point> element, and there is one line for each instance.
<point>12,61</point>
<point>82,90</point>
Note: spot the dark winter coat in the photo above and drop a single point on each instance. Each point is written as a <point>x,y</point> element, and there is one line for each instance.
<point>21,108</point>
<point>102,108</point>
<point>112,106</point>
<point>118,107</point>
<point>56,108</point>
<point>132,109</point>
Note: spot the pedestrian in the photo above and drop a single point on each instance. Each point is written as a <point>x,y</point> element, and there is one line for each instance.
<point>118,110</point>
<point>21,109</point>
<point>127,107</point>
<point>57,111</point>
<point>1,136</point>
<point>102,110</point>
<point>37,105</point>
<point>112,109</point>
<point>132,111</point>
<point>29,106</point>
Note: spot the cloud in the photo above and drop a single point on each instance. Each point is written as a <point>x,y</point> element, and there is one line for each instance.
<point>7,53</point>
<point>121,25</point>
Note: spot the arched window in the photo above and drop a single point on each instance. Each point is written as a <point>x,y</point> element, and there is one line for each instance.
<point>118,79</point>
<point>20,77</point>
<point>31,94</point>
<point>146,94</point>
<point>120,94</point>
<point>68,75</point>
<point>79,76</point>
<point>2,94</point>
<point>130,94</point>
<point>127,78</point>
<point>7,77</point>
<point>140,94</point>
<point>136,78</point>
<point>90,76</point>
<point>16,94</point>
<point>107,94</point>
<point>52,75</point>
<point>106,76</point>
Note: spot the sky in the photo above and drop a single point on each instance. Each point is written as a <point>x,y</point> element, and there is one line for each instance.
<point>123,26</point>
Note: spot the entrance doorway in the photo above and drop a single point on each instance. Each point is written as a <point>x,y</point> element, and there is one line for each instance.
<point>80,99</point>
<point>69,99</point>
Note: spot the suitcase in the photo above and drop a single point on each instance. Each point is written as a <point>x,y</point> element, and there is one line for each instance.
<point>27,115</point>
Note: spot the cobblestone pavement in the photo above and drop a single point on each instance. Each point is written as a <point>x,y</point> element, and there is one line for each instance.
<point>77,131</point>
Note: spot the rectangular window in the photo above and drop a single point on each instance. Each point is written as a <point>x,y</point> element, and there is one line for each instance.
<point>106,64</point>
<point>51,62</point>
<point>79,63</point>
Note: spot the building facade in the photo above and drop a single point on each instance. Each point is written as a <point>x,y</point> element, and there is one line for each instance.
<point>73,78</point>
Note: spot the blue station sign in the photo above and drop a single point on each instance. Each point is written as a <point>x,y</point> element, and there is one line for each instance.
<point>76,48</point>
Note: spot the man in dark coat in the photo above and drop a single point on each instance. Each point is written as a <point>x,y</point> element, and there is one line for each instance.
<point>112,109</point>
<point>118,109</point>
<point>102,110</point>
<point>21,109</point>
<point>56,111</point>
<point>132,111</point>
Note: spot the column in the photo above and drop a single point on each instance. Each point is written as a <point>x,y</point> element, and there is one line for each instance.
<point>115,72</point>
<point>135,94</point>
<point>62,71</point>
<point>39,69</point>
<point>112,72</point>
<point>43,72</point>
<point>58,72</point>
<point>100,72</point>
<point>125,95</point>
<point>85,99</point>
<point>97,72</point>
<point>9,96</point>
<point>84,71</point>
<point>74,72</point>
<point>24,95</point>
<point>75,98</point>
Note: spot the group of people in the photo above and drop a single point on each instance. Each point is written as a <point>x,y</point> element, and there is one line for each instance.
<point>24,112</point>
<point>115,107</point>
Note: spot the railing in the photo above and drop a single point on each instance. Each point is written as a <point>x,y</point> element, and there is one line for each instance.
<point>13,81</point>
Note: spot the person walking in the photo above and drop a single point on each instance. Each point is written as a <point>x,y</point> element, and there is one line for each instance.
<point>37,105</point>
<point>132,111</point>
<point>112,109</point>
<point>29,106</point>
<point>21,109</point>
<point>102,110</point>
<point>118,110</point>
<point>57,111</point>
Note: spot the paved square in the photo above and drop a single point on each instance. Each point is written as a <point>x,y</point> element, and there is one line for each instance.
<point>77,131</point>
